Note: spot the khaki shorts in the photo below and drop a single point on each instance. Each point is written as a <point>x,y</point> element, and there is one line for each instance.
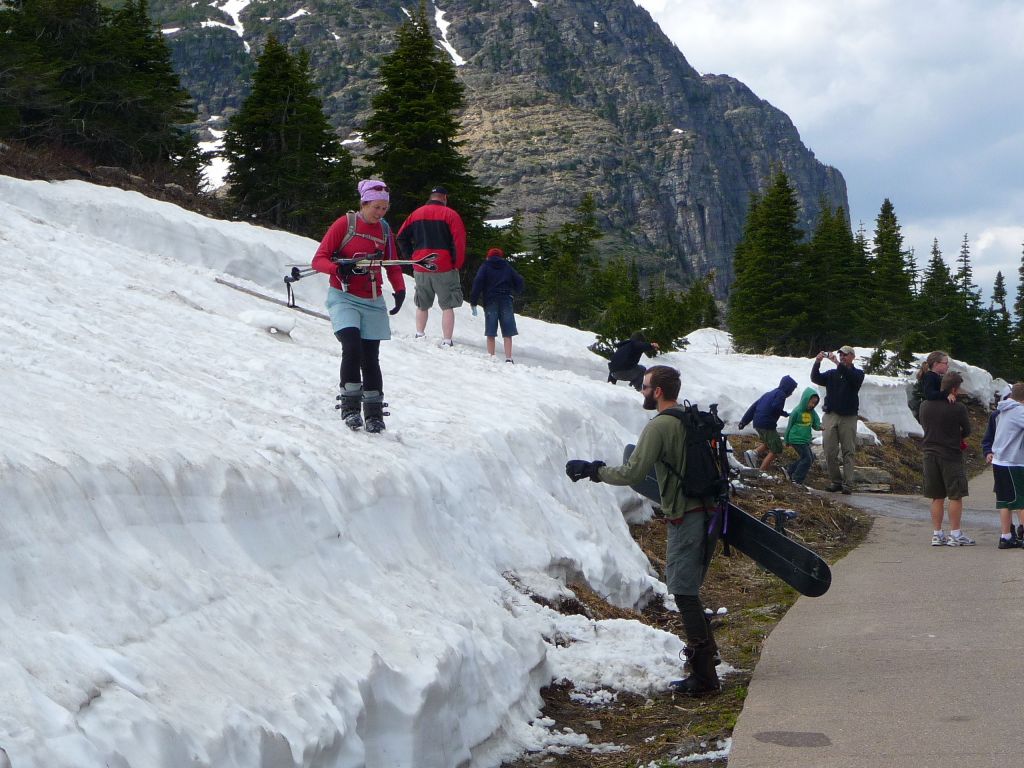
<point>770,437</point>
<point>944,478</point>
<point>444,285</point>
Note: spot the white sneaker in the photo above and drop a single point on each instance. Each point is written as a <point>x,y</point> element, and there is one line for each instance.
<point>446,343</point>
<point>752,458</point>
<point>939,539</point>
<point>420,335</point>
<point>959,541</point>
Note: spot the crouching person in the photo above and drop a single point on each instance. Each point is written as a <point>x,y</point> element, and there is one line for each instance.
<point>660,446</point>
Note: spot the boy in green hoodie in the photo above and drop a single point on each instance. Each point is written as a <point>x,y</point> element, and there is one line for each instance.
<point>802,420</point>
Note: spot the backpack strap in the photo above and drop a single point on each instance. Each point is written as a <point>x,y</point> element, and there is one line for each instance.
<point>681,416</point>
<point>350,232</point>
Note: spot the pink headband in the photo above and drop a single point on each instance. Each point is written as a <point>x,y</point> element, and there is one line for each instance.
<point>373,189</point>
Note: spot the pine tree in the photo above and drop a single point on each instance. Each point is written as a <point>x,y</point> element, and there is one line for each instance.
<point>76,74</point>
<point>968,331</point>
<point>412,134</point>
<point>768,299</point>
<point>937,300</point>
<point>1000,331</point>
<point>836,264</point>
<point>1018,302</point>
<point>149,121</point>
<point>890,291</point>
<point>287,167</point>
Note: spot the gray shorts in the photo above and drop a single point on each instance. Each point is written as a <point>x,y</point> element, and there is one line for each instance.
<point>944,478</point>
<point>444,285</point>
<point>370,316</point>
<point>685,564</point>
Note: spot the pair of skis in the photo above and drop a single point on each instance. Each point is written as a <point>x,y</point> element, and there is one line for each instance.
<point>363,262</point>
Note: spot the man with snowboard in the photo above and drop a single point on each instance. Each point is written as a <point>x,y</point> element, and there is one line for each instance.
<point>663,443</point>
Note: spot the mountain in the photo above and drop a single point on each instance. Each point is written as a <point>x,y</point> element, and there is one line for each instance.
<point>564,97</point>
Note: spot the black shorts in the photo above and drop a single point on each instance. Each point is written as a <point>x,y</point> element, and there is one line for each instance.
<point>1009,482</point>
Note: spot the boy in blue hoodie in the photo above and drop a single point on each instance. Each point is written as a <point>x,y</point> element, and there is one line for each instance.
<point>799,434</point>
<point>1008,464</point>
<point>765,413</point>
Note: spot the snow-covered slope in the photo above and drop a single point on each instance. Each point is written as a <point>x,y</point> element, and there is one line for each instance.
<point>198,564</point>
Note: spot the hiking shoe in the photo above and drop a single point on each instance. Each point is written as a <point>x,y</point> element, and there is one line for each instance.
<point>959,541</point>
<point>834,487</point>
<point>510,360</point>
<point>446,343</point>
<point>1013,543</point>
<point>785,472</point>
<point>1020,532</point>
<point>846,491</point>
<point>752,458</point>
<point>939,539</point>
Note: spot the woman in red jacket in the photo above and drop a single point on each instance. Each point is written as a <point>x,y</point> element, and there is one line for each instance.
<point>355,302</point>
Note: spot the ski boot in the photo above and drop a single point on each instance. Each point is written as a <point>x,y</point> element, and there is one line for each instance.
<point>716,657</point>
<point>703,680</point>
<point>373,410</point>
<point>350,398</point>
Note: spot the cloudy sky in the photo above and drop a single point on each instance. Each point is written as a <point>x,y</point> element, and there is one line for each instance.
<point>919,101</point>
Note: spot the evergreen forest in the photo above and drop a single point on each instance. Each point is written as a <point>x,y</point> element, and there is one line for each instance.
<point>796,294</point>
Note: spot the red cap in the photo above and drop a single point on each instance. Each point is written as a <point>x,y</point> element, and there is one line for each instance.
<point>496,253</point>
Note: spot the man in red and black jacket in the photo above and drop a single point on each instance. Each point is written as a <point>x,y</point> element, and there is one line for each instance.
<point>436,228</point>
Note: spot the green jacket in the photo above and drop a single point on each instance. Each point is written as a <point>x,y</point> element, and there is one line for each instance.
<point>802,420</point>
<point>661,441</point>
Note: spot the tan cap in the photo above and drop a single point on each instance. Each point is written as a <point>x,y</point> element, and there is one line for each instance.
<point>847,350</point>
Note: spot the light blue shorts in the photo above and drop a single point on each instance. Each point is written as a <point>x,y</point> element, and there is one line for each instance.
<point>370,316</point>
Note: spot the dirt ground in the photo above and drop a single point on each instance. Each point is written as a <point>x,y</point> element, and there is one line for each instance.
<point>662,727</point>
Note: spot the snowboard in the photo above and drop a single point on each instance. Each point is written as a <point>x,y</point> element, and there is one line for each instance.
<point>800,567</point>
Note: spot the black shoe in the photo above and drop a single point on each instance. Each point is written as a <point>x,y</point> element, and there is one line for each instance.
<point>1013,543</point>
<point>834,487</point>
<point>693,686</point>
<point>1020,532</point>
<point>612,379</point>
<point>847,491</point>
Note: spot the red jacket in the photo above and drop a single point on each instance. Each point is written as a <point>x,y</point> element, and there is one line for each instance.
<point>368,286</point>
<point>434,228</point>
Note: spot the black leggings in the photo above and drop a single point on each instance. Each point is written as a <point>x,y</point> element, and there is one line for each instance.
<point>691,611</point>
<point>360,355</point>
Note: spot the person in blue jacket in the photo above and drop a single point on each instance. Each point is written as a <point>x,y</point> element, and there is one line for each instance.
<point>765,413</point>
<point>495,282</point>
<point>625,362</point>
<point>842,402</point>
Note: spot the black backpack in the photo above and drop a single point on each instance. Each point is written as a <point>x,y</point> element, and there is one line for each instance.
<point>915,397</point>
<point>706,472</point>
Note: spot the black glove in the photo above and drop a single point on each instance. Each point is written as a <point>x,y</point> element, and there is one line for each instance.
<point>399,300</point>
<point>345,269</point>
<point>742,425</point>
<point>577,469</point>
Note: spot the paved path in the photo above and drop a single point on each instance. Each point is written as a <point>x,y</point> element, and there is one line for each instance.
<point>914,658</point>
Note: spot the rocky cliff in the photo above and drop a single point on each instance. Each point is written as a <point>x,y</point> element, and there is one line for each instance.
<point>564,97</point>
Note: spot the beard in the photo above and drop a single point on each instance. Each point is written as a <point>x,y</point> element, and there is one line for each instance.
<point>650,404</point>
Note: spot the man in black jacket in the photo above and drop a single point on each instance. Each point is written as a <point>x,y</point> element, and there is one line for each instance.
<point>625,362</point>
<point>839,427</point>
